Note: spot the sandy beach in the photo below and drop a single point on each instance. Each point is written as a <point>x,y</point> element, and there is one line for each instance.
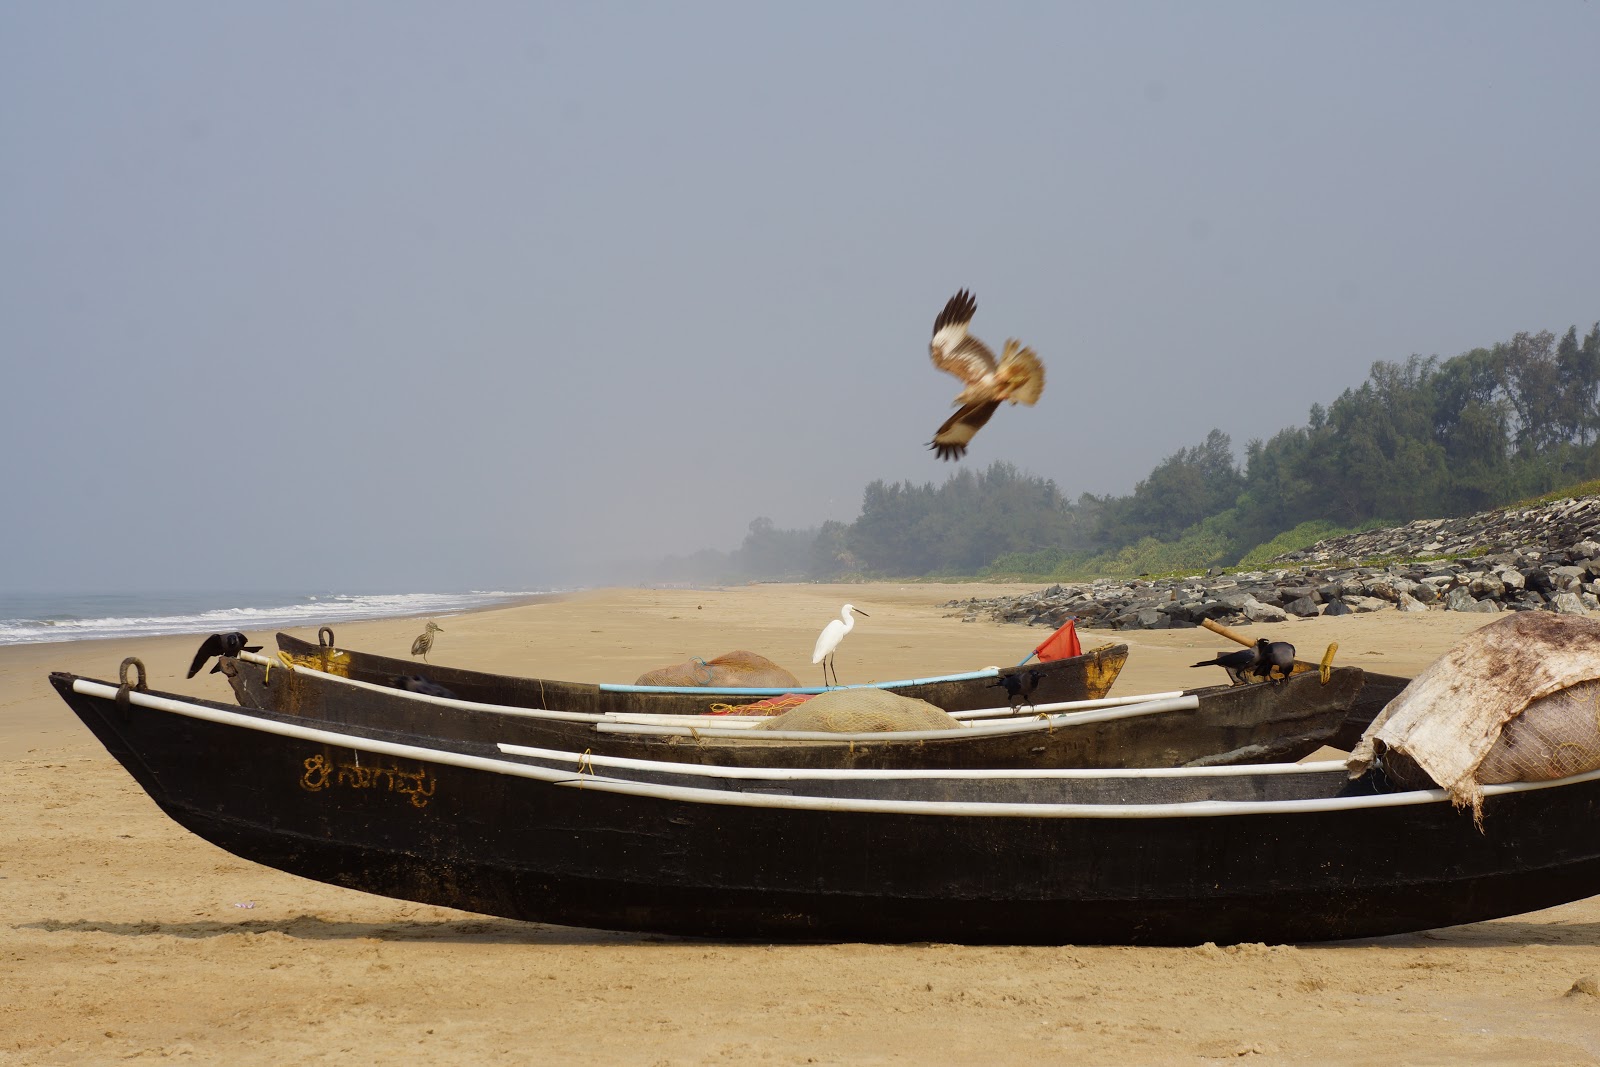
<point>127,938</point>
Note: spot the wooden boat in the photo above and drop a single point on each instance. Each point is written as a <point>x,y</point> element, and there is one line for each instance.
<point>1375,694</point>
<point>1218,725</point>
<point>1084,677</point>
<point>1282,853</point>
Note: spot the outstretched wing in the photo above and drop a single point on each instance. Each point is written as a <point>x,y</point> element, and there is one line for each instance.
<point>953,349</point>
<point>951,440</point>
<point>211,646</point>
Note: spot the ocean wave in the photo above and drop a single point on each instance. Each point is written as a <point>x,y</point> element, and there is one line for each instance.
<point>139,617</point>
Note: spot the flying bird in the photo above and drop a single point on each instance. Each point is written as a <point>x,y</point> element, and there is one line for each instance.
<point>1018,377</point>
<point>424,641</point>
<point>828,640</point>
<point>219,645</point>
<point>1279,654</point>
<point>1240,664</point>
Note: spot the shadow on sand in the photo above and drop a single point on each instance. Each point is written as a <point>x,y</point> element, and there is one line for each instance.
<point>313,928</point>
<point>1497,933</point>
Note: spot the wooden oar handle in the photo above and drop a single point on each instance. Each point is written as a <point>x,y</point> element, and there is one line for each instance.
<point>1232,635</point>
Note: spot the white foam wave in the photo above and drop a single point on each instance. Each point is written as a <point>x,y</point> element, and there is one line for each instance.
<point>310,610</point>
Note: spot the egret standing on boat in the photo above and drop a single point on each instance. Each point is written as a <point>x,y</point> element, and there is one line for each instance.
<point>828,640</point>
<point>1019,376</point>
<point>420,646</point>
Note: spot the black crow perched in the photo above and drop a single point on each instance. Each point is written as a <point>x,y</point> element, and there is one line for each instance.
<point>1019,687</point>
<point>1242,663</point>
<point>1279,654</point>
<point>220,645</point>
<point>416,683</point>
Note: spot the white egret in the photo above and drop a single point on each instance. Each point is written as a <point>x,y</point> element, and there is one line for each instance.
<point>1018,377</point>
<point>828,640</point>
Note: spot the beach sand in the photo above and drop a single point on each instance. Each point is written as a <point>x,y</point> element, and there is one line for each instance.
<point>126,938</point>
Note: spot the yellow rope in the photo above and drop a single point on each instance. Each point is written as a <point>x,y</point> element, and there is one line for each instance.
<point>585,764</point>
<point>1325,669</point>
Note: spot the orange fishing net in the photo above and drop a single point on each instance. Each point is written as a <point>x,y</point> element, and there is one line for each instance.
<point>769,706</point>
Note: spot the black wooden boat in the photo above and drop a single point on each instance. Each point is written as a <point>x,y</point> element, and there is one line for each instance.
<point>1258,723</point>
<point>1276,854</point>
<point>1084,677</point>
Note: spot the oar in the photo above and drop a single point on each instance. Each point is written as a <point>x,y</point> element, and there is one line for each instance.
<point>745,722</point>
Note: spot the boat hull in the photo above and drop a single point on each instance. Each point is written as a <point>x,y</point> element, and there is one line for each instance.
<point>419,826</point>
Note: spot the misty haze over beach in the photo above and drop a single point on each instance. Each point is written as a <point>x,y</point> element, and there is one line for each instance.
<point>399,297</point>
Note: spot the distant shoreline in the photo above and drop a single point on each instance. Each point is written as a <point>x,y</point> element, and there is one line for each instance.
<point>139,616</point>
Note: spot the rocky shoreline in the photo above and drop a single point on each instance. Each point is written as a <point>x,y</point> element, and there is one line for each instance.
<point>1543,557</point>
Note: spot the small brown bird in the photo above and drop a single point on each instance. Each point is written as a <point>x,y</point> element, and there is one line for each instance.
<point>420,646</point>
<point>1018,377</point>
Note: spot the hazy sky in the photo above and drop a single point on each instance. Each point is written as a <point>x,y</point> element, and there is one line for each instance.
<point>422,296</point>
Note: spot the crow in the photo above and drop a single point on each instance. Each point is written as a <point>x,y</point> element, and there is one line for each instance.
<point>1240,664</point>
<point>416,683</point>
<point>220,645</point>
<point>1019,687</point>
<point>1279,654</point>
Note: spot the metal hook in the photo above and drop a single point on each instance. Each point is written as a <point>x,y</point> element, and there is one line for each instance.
<point>325,637</point>
<point>138,666</point>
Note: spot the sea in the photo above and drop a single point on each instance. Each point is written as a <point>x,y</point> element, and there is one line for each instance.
<point>28,618</point>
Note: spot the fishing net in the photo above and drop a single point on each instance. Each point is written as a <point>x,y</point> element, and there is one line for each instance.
<point>738,669</point>
<point>862,711</point>
<point>1556,736</point>
<point>769,706</point>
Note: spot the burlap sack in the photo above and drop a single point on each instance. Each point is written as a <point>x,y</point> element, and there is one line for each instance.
<point>1452,715</point>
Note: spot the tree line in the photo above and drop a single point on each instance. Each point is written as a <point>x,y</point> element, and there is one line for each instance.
<point>1422,438</point>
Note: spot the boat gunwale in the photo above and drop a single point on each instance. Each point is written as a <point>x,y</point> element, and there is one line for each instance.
<point>1039,718</point>
<point>701,795</point>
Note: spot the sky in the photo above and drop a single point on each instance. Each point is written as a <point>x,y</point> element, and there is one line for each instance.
<point>400,296</point>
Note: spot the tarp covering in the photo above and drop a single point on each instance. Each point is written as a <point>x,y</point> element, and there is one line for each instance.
<point>1452,714</point>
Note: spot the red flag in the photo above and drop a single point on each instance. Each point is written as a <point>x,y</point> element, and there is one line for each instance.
<point>1060,645</point>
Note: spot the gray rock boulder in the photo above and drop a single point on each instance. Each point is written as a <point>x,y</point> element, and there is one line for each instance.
<point>1256,611</point>
<point>1487,585</point>
<point>1304,608</point>
<point>1567,604</point>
